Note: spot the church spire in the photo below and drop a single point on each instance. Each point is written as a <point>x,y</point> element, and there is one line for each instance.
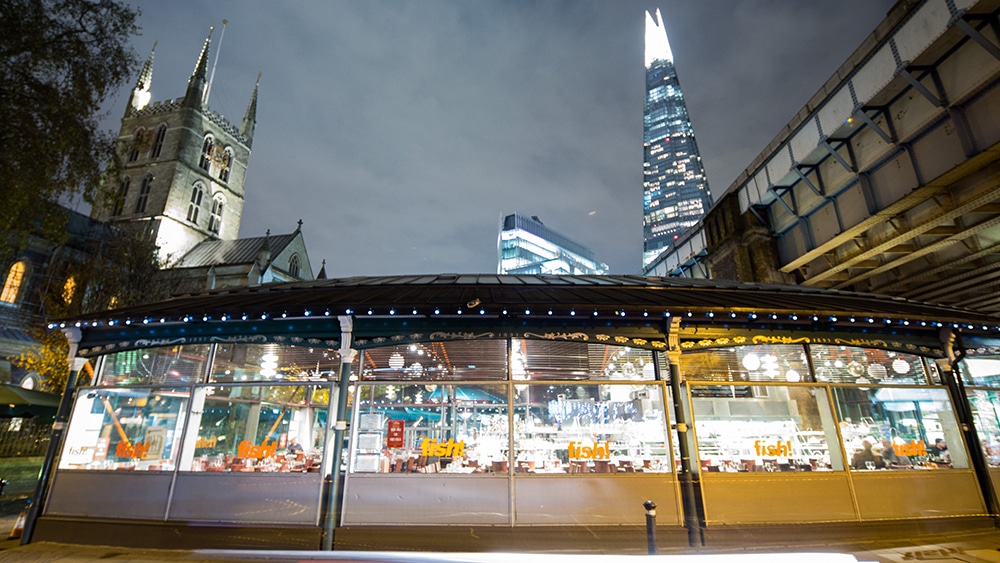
<point>140,94</point>
<point>199,79</point>
<point>250,118</point>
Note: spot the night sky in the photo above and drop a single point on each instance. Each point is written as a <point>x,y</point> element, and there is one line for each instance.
<point>400,132</point>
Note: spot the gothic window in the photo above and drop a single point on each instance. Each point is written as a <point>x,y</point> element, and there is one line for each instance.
<point>161,134</point>
<point>293,265</point>
<point>206,153</point>
<point>69,289</point>
<point>15,279</point>
<point>226,165</point>
<point>197,192</point>
<point>118,205</point>
<point>215,221</point>
<point>140,202</point>
<point>135,148</point>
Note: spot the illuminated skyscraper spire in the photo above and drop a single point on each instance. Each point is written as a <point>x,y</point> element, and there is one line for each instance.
<point>657,46</point>
<point>675,191</point>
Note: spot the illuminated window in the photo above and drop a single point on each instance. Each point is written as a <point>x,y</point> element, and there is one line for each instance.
<point>69,289</point>
<point>161,134</point>
<point>113,302</point>
<point>15,278</point>
<point>140,202</point>
<point>197,192</point>
<point>206,153</point>
<point>118,205</point>
<point>215,220</point>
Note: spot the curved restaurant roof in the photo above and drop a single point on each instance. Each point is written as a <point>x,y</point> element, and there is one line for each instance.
<point>489,295</point>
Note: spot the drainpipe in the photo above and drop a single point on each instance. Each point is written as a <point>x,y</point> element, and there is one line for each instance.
<point>55,441</point>
<point>346,359</point>
<point>688,479</point>
<point>951,340</point>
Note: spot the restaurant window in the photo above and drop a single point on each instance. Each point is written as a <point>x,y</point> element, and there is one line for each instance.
<point>849,364</point>
<point>548,359</point>
<point>578,428</point>
<point>980,371</point>
<point>260,428</point>
<point>418,427</point>
<point>180,364</point>
<point>235,362</point>
<point>899,428</point>
<point>760,363</point>
<point>769,428</point>
<point>455,360</point>
<point>125,429</point>
<point>986,412</point>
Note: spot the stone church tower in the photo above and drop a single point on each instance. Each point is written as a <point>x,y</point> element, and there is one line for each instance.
<point>183,165</point>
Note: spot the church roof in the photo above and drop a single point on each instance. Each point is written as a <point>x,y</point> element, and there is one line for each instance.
<point>233,252</point>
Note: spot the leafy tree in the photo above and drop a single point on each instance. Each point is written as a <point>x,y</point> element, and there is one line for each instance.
<point>123,268</point>
<point>59,62</point>
<point>49,359</point>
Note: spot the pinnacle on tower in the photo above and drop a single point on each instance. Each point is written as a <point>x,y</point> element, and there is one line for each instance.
<point>140,94</point>
<point>657,46</point>
<point>250,117</point>
<point>199,79</point>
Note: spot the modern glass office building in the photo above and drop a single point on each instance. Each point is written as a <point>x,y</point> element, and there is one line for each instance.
<point>675,190</point>
<point>526,246</point>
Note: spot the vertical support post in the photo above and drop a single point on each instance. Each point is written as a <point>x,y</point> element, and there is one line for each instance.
<point>73,335</point>
<point>952,343</point>
<point>689,491</point>
<point>346,359</point>
<point>650,507</point>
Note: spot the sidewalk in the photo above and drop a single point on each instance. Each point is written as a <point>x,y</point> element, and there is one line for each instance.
<point>973,548</point>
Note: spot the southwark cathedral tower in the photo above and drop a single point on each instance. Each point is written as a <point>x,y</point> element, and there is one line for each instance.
<point>183,165</point>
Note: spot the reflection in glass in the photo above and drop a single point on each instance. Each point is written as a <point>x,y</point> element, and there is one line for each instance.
<point>763,362</point>
<point>848,364</point>
<point>981,371</point>
<point>464,359</point>
<point>125,429</point>
<point>899,427</point>
<point>986,412</point>
<point>256,428</point>
<point>585,428</point>
<point>431,428</point>
<point>274,362</point>
<point>770,428</point>
<point>547,359</point>
<point>184,363</point>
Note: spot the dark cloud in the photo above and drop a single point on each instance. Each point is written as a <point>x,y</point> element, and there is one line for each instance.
<point>401,132</point>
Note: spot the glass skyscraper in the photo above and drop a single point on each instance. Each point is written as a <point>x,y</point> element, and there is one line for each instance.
<point>526,246</point>
<point>675,190</point>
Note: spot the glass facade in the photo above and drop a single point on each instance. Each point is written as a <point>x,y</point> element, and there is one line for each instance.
<point>525,406</point>
<point>526,246</point>
<point>675,190</point>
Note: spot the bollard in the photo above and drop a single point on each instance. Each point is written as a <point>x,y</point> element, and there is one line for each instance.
<point>650,526</point>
